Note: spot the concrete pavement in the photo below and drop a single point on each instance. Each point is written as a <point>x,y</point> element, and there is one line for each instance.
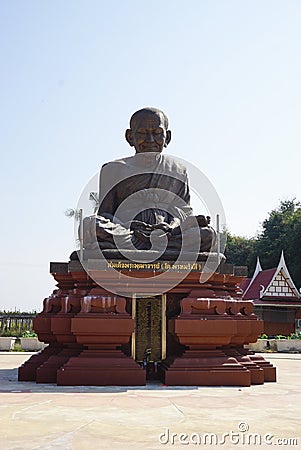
<point>42,417</point>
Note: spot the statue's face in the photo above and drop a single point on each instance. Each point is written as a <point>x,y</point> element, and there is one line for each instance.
<point>148,133</point>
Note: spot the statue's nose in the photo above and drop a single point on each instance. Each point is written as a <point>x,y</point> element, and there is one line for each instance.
<point>149,137</point>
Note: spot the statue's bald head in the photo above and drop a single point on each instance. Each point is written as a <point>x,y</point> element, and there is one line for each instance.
<point>148,130</point>
<point>149,110</point>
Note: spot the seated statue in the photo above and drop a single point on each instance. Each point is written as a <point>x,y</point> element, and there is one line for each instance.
<point>144,200</point>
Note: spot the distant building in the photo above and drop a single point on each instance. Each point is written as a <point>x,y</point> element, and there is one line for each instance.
<point>276,298</point>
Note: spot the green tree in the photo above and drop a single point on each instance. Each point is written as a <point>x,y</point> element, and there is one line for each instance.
<point>240,251</point>
<point>282,231</point>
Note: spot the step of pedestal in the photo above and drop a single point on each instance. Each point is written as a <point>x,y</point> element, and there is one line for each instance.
<point>257,373</point>
<point>27,372</point>
<point>47,372</point>
<point>101,370</point>
<point>205,368</point>
<point>270,373</point>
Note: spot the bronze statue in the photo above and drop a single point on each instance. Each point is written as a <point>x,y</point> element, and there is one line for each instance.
<point>144,199</point>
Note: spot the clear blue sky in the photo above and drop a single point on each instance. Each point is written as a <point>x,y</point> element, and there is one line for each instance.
<point>227,73</point>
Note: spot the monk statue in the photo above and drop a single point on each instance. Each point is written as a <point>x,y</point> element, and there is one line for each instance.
<point>144,199</point>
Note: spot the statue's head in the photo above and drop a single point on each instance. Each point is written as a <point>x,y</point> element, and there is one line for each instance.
<point>148,131</point>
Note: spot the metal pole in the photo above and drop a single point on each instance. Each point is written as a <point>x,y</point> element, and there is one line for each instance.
<point>81,235</point>
<point>218,238</point>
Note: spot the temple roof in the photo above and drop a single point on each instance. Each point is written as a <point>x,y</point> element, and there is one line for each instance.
<point>271,286</point>
<point>244,284</point>
<point>261,281</point>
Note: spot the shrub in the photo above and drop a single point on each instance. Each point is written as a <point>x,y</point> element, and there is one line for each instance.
<point>263,336</point>
<point>296,335</point>
<point>6,332</point>
<point>29,334</point>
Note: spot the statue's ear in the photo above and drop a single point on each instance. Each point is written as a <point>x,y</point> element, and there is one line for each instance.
<point>168,138</point>
<point>129,137</point>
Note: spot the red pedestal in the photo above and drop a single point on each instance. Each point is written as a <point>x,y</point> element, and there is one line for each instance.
<point>208,327</point>
<point>89,330</point>
<point>102,327</point>
<point>28,370</point>
<point>268,368</point>
<point>101,368</point>
<point>47,372</point>
<point>205,368</point>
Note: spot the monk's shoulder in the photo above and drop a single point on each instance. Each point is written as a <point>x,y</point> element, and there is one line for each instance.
<point>113,166</point>
<point>173,165</point>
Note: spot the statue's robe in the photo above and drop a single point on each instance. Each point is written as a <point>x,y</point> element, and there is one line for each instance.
<point>140,192</point>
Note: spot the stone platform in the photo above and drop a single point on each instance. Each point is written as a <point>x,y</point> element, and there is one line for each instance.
<point>91,331</point>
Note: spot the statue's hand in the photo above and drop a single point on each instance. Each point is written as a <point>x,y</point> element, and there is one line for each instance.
<point>203,221</point>
<point>141,237</point>
<point>139,225</point>
<point>163,226</point>
<point>195,221</point>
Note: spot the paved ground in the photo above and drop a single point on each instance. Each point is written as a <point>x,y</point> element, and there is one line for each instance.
<point>43,417</point>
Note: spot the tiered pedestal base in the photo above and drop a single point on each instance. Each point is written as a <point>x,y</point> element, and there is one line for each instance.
<point>89,331</point>
<point>205,368</point>
<point>268,369</point>
<point>84,344</point>
<point>214,331</point>
<point>47,372</point>
<point>28,370</point>
<point>101,368</point>
<point>256,372</point>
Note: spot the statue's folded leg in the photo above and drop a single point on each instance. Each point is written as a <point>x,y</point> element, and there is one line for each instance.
<point>202,239</point>
<point>99,231</point>
<point>208,239</point>
<point>105,233</point>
